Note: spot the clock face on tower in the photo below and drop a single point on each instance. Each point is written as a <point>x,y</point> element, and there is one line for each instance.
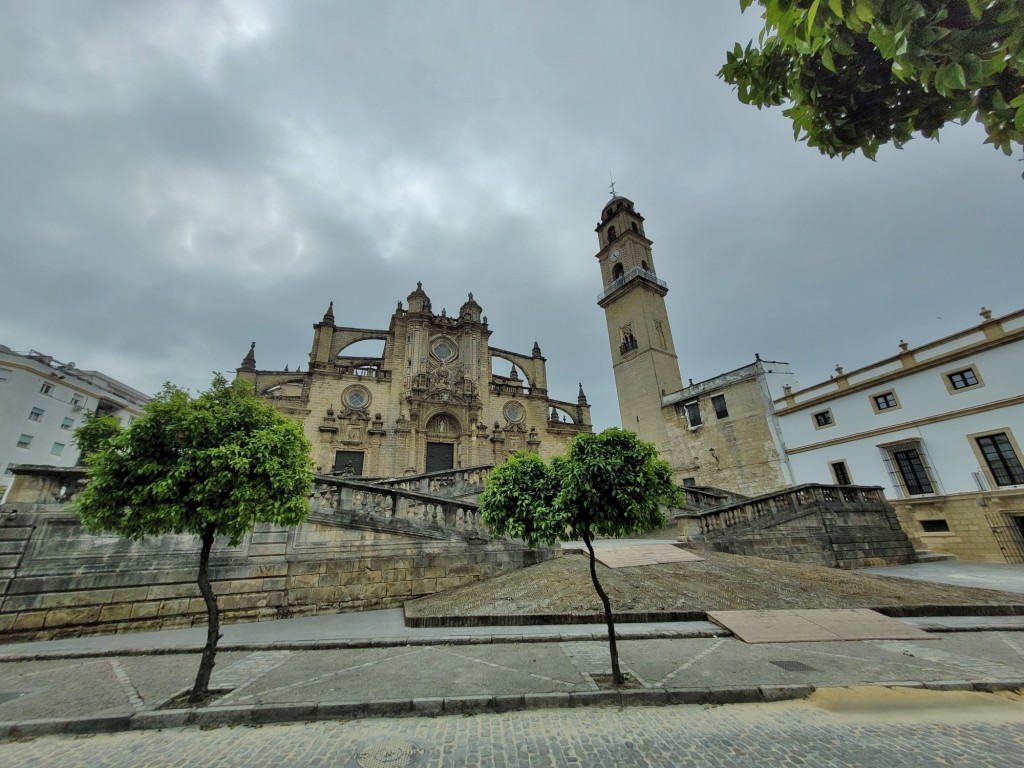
<point>615,255</point>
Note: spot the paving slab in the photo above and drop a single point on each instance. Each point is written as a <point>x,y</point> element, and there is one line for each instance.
<point>817,625</point>
<point>644,554</point>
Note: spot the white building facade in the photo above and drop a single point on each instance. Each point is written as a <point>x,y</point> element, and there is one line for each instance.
<point>939,427</point>
<point>43,401</point>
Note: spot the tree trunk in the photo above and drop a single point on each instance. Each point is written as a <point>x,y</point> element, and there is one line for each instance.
<point>617,678</point>
<point>202,686</point>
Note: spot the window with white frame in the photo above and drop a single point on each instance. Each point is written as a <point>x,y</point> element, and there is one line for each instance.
<point>67,423</point>
<point>908,468</point>
<point>25,441</point>
<point>1001,458</point>
<point>721,410</point>
<point>693,414</point>
<point>57,450</point>
<point>36,414</point>
<point>46,389</point>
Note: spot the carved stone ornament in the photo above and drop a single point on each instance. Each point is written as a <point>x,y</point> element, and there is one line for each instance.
<point>443,381</point>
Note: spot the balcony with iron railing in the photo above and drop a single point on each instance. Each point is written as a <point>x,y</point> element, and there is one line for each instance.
<point>637,273</point>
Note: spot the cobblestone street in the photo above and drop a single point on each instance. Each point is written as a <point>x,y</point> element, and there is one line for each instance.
<point>929,729</point>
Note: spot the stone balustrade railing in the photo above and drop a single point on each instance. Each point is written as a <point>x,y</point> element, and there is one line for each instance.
<point>427,513</point>
<point>462,481</point>
<point>779,505</point>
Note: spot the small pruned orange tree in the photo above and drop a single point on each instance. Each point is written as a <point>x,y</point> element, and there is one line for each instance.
<point>609,484</point>
<point>213,466</point>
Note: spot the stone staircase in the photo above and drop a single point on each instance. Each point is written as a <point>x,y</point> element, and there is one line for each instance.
<point>836,526</point>
<point>927,556</point>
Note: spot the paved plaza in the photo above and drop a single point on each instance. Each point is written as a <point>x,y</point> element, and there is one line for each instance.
<point>366,690</point>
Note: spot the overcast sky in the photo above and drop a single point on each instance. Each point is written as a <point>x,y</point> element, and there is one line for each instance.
<point>178,179</point>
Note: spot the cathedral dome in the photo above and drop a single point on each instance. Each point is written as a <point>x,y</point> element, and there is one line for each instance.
<point>615,204</point>
<point>418,300</point>
<point>470,310</point>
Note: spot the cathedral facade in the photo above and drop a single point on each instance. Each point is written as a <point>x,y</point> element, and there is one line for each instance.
<point>429,402</point>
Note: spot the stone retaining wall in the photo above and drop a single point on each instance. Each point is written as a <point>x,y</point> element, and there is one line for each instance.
<point>362,548</point>
<point>58,580</point>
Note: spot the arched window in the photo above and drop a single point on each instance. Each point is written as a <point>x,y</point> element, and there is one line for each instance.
<point>611,234</point>
<point>635,228</point>
<point>616,272</point>
<point>644,267</point>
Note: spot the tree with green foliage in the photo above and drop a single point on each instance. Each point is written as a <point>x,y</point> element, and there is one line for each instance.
<point>858,74</point>
<point>610,484</point>
<point>213,466</point>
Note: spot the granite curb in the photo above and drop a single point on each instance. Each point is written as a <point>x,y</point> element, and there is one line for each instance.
<point>264,714</point>
<point>397,642</point>
<point>341,645</point>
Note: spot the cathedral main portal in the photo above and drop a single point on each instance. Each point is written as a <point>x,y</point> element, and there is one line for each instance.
<point>440,456</point>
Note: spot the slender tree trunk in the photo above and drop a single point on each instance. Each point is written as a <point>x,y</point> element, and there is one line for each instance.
<point>617,678</point>
<point>202,686</point>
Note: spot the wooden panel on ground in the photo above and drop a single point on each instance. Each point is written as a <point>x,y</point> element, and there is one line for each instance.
<point>627,555</point>
<point>814,625</point>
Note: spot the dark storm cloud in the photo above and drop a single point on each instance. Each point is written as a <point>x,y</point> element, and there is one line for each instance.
<point>181,178</point>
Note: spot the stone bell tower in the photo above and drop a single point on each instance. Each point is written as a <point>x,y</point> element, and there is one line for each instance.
<point>643,355</point>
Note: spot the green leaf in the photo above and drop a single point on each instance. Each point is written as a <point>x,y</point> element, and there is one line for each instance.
<point>811,13</point>
<point>826,59</point>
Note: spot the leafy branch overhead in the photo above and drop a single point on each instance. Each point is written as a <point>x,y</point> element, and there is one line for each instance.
<point>858,74</point>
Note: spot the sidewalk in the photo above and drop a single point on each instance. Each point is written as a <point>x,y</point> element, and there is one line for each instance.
<point>370,664</point>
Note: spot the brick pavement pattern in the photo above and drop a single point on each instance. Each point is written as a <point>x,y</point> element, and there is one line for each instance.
<point>742,735</point>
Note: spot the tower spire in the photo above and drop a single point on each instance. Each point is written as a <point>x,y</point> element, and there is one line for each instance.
<point>249,361</point>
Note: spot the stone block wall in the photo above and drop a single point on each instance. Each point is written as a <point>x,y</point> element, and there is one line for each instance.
<point>58,580</point>
<point>986,526</point>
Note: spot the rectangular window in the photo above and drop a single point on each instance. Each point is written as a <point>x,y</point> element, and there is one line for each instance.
<point>963,379</point>
<point>911,468</point>
<point>25,441</point>
<point>348,462</point>
<point>840,473</point>
<point>76,399</point>
<point>718,401</point>
<point>693,414</point>
<point>36,414</point>
<point>1002,460</point>
<point>57,450</point>
<point>823,419</point>
<point>46,389</point>
<point>689,482</point>
<point>67,424</point>
<point>885,401</point>
<point>934,526</point>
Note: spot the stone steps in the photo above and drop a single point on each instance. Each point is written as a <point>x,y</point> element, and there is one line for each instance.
<point>927,556</point>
